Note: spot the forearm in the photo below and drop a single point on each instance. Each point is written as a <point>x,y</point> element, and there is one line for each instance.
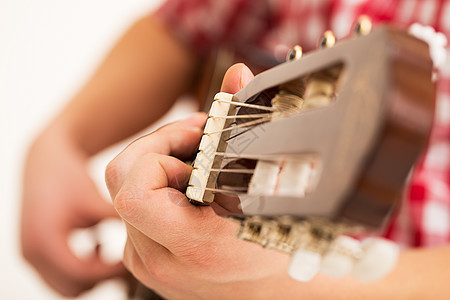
<point>136,84</point>
<point>420,274</point>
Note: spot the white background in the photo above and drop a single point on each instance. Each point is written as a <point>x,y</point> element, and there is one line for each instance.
<point>48,49</point>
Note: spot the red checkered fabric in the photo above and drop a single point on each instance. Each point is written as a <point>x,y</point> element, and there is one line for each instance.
<point>264,28</point>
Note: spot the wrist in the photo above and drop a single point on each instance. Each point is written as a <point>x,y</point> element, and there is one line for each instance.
<point>57,137</point>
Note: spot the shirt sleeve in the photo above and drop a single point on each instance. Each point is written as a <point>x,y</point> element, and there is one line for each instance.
<point>206,24</point>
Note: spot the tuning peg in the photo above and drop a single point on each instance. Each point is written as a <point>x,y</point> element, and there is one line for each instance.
<point>327,40</point>
<point>363,25</point>
<point>378,259</point>
<point>304,265</point>
<point>340,259</point>
<point>295,53</point>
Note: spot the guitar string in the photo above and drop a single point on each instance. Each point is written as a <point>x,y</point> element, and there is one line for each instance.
<point>241,171</point>
<point>243,104</point>
<point>237,134</point>
<point>288,110</point>
<point>283,109</point>
<point>263,118</point>
<point>225,191</point>
<point>252,123</point>
<point>266,117</point>
<point>264,157</point>
<point>249,156</point>
<point>249,116</point>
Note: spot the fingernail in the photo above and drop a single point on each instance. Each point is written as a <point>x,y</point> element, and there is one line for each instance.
<point>246,76</point>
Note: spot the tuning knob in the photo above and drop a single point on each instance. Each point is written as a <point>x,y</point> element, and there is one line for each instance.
<point>304,265</point>
<point>363,25</point>
<point>327,40</point>
<point>378,259</point>
<point>295,53</point>
<point>340,259</point>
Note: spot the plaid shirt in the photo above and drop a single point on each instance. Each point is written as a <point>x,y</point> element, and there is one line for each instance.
<point>269,28</point>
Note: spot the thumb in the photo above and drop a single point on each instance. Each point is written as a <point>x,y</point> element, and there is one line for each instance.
<point>236,77</point>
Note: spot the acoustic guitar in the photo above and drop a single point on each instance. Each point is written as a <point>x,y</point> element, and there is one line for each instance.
<point>311,157</point>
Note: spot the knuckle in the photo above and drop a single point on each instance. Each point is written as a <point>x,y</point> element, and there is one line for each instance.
<point>76,288</point>
<point>123,202</point>
<point>113,173</point>
<point>199,254</point>
<point>146,267</point>
<point>30,248</point>
<point>132,261</point>
<point>72,292</point>
<point>196,250</point>
<point>158,272</point>
<point>199,248</point>
<point>28,253</point>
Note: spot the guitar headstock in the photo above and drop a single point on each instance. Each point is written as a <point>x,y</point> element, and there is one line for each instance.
<point>320,147</point>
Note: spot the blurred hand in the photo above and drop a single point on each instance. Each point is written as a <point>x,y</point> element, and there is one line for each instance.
<point>59,197</point>
<point>180,250</point>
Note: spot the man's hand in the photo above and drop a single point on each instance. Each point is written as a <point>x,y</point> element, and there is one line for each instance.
<point>181,250</point>
<point>58,198</point>
<point>133,87</point>
<point>188,252</point>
